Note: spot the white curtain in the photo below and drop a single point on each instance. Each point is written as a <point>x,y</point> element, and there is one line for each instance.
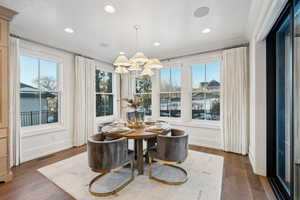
<point>85,115</point>
<point>126,92</point>
<point>235,100</point>
<point>14,101</point>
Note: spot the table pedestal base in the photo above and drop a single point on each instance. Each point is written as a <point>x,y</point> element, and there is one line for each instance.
<point>139,155</point>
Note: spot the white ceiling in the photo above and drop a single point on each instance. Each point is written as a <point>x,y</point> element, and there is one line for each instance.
<point>170,22</point>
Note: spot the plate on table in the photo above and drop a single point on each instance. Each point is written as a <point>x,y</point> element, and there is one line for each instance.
<point>113,129</point>
<point>150,121</point>
<point>118,123</point>
<point>158,127</point>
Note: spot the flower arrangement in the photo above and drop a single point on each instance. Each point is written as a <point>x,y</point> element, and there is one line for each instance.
<point>134,103</point>
<point>135,117</point>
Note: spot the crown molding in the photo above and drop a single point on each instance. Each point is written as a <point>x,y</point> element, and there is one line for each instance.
<point>6,13</point>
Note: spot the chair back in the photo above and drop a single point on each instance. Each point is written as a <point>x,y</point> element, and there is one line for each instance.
<point>174,147</point>
<point>106,155</point>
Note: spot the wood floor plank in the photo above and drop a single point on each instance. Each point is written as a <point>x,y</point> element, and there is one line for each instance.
<point>239,181</point>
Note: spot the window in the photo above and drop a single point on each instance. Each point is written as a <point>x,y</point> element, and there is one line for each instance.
<point>104,93</point>
<point>206,91</point>
<point>170,92</point>
<point>143,90</point>
<point>39,91</point>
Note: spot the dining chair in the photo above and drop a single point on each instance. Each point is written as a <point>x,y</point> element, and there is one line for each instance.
<point>105,157</point>
<point>170,150</point>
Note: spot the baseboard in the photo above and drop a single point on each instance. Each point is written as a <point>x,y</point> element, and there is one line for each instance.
<point>252,161</point>
<point>213,144</point>
<point>42,151</point>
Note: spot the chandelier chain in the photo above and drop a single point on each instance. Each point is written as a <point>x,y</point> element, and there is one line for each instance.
<point>136,37</point>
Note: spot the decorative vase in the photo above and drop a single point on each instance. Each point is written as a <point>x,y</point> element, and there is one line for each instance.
<point>135,117</point>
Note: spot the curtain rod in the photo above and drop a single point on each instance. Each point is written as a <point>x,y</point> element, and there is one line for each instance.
<point>204,52</point>
<point>64,50</point>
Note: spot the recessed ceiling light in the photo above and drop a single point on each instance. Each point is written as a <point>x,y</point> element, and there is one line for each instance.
<point>207,30</point>
<point>122,53</point>
<point>109,9</point>
<point>69,30</point>
<point>201,12</point>
<point>103,44</point>
<point>156,44</point>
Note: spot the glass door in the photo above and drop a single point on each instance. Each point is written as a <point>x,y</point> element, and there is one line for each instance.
<point>283,103</point>
<point>280,105</point>
<point>284,92</point>
<point>297,101</point>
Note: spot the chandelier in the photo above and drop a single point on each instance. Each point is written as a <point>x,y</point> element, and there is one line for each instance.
<point>139,62</point>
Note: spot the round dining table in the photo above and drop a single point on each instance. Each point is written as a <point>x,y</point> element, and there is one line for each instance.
<point>138,135</point>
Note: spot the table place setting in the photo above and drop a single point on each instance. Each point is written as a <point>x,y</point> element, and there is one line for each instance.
<point>121,127</point>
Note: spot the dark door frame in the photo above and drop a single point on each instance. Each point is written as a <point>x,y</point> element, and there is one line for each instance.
<point>276,184</point>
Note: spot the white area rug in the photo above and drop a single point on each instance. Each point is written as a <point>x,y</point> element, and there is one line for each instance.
<point>205,183</point>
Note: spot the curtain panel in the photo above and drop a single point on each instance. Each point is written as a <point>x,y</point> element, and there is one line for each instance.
<point>14,101</point>
<point>235,100</point>
<point>85,114</point>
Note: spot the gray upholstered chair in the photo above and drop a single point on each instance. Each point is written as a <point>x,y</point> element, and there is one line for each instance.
<point>105,156</point>
<point>170,150</point>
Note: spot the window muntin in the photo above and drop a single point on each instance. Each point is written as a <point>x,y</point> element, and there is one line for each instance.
<point>206,91</point>
<point>39,92</point>
<point>104,93</point>
<point>143,90</point>
<point>170,92</point>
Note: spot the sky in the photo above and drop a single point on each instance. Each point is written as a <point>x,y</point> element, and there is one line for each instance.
<point>200,73</point>
<point>29,69</point>
<point>205,73</point>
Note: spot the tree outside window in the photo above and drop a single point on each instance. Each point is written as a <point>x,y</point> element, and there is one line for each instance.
<point>104,93</point>
<point>39,92</point>
<point>170,92</point>
<point>143,90</point>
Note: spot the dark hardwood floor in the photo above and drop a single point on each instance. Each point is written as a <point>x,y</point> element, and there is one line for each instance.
<point>239,181</point>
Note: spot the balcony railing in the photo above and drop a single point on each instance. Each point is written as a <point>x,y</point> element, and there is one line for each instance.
<point>32,118</point>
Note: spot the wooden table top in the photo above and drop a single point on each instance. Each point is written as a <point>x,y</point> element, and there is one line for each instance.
<point>140,133</point>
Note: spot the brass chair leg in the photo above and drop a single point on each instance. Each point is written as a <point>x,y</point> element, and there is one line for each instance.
<point>114,191</point>
<point>150,167</point>
<point>164,181</point>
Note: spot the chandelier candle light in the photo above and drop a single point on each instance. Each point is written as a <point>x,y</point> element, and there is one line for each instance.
<point>138,62</point>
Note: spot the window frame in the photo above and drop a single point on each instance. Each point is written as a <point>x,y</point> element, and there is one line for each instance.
<point>136,76</point>
<point>114,89</point>
<point>191,65</point>
<point>204,59</point>
<point>169,66</point>
<point>186,64</point>
<point>44,128</point>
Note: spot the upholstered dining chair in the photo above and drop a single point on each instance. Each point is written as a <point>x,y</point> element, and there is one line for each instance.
<point>170,150</point>
<point>106,156</point>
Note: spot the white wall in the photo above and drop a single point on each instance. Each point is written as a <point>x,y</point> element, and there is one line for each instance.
<point>263,15</point>
<point>257,145</point>
<point>210,137</point>
<point>41,141</point>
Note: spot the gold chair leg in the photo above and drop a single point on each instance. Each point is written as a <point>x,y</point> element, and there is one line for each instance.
<point>114,191</point>
<point>164,181</point>
<point>150,167</point>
